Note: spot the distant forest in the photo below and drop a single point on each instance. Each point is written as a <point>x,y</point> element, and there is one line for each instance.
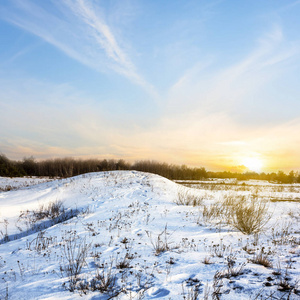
<point>68,167</point>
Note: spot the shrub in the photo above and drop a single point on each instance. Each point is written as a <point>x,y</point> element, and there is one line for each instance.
<point>249,216</point>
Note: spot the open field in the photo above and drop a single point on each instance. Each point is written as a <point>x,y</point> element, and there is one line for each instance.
<point>134,235</point>
<point>8,184</point>
<point>269,191</point>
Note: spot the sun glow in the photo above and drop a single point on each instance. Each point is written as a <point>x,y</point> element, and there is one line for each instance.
<point>253,164</point>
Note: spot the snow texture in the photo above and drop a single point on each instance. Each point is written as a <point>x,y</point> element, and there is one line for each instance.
<point>129,229</point>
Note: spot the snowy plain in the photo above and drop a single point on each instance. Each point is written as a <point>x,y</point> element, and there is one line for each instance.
<point>7,183</point>
<point>136,242</point>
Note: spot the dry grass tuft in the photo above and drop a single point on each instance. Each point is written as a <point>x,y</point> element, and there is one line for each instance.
<point>74,254</point>
<point>249,216</point>
<point>187,197</point>
<point>262,259</point>
<point>161,243</point>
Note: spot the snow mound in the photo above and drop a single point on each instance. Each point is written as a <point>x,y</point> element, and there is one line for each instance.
<point>121,235</point>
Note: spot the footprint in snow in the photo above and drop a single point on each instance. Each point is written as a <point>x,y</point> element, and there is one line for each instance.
<point>156,292</point>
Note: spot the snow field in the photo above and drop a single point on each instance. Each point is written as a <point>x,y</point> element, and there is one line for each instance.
<point>126,238</point>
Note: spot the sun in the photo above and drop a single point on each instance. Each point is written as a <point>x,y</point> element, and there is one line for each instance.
<point>252,163</point>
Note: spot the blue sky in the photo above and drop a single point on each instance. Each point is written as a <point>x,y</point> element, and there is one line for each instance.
<point>204,83</point>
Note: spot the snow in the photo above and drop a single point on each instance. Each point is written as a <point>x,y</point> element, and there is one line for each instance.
<point>9,183</point>
<point>121,216</point>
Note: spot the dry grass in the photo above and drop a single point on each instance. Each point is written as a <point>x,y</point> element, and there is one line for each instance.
<point>49,211</point>
<point>74,253</point>
<point>207,260</point>
<point>160,244</point>
<point>193,290</point>
<point>212,211</point>
<point>219,210</point>
<point>187,197</point>
<point>262,259</point>
<point>249,215</point>
<point>230,271</point>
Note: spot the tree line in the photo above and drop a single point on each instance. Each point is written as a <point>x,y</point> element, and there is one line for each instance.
<point>280,176</point>
<point>68,167</point>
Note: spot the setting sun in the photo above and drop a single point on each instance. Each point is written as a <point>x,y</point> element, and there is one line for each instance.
<point>253,164</point>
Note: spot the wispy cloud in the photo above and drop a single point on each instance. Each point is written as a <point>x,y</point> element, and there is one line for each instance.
<point>102,35</point>
<point>75,28</point>
<point>202,89</point>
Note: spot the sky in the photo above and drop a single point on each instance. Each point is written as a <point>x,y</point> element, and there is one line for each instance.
<point>211,84</point>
